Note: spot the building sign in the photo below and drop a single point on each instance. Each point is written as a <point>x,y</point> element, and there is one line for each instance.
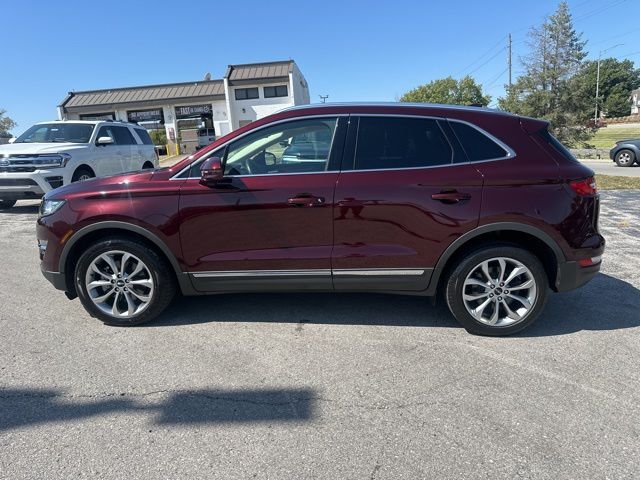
<point>154,115</point>
<point>98,116</point>
<point>191,111</point>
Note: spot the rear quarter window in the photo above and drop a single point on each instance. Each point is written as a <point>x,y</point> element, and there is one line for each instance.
<point>144,136</point>
<point>557,145</point>
<point>476,144</point>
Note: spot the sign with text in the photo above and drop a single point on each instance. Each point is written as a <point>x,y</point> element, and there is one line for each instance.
<point>154,115</point>
<point>191,111</point>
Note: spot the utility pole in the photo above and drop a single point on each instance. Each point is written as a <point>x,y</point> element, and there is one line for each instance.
<point>595,115</point>
<point>323,98</point>
<point>510,60</point>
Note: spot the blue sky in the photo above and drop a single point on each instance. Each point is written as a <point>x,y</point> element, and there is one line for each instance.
<point>350,50</point>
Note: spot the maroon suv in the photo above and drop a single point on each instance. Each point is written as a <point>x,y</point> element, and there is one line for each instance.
<point>486,207</point>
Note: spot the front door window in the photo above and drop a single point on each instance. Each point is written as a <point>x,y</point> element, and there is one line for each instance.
<point>301,146</point>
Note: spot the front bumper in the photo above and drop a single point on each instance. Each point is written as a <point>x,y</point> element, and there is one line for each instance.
<point>17,185</point>
<point>57,279</point>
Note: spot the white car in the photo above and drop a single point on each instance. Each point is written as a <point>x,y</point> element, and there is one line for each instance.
<point>51,154</point>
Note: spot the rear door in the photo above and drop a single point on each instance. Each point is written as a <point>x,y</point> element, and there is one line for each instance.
<point>107,158</point>
<point>128,155</point>
<point>406,194</point>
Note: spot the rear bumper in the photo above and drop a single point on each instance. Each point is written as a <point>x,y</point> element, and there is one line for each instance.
<point>571,275</point>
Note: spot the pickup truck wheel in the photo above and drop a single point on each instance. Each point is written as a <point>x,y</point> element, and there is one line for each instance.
<point>123,283</point>
<point>625,158</point>
<point>497,290</point>
<point>81,175</point>
<point>6,203</point>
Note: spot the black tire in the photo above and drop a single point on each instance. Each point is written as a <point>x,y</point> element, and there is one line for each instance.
<point>625,158</point>
<point>6,203</point>
<point>454,289</point>
<point>82,174</point>
<point>161,274</point>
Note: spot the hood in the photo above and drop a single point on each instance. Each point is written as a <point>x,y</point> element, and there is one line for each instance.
<point>38,148</point>
<point>121,182</point>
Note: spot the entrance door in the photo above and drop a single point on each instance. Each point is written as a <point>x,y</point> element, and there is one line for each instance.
<point>268,223</point>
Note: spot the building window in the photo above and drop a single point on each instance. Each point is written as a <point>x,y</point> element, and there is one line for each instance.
<point>246,93</point>
<point>278,91</point>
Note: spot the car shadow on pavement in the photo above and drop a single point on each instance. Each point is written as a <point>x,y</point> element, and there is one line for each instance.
<point>605,303</point>
<point>24,407</point>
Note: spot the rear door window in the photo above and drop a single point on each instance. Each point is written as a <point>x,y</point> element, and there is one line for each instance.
<point>476,144</point>
<point>123,136</point>
<point>400,142</point>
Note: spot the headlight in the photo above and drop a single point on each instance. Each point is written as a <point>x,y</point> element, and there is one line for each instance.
<point>51,161</point>
<point>47,207</point>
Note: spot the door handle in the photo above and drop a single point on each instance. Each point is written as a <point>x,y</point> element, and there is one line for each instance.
<point>450,197</point>
<point>306,200</point>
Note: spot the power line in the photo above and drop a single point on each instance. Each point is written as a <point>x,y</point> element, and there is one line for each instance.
<point>607,40</point>
<point>598,10</point>
<point>481,56</point>
<point>487,61</point>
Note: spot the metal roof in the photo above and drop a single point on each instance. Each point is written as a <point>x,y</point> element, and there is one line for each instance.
<point>255,71</point>
<point>187,91</point>
<point>172,91</point>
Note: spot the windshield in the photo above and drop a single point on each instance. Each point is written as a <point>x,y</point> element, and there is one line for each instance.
<point>57,133</point>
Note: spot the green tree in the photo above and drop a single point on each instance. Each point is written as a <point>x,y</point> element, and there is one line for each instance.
<point>449,91</point>
<point>6,123</point>
<point>617,79</point>
<point>556,52</point>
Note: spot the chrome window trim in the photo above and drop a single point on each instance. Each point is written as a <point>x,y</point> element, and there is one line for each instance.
<point>261,127</point>
<point>510,152</point>
<point>311,272</point>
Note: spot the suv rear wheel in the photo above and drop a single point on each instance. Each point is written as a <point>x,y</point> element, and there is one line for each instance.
<point>123,282</point>
<point>497,290</point>
<point>625,158</point>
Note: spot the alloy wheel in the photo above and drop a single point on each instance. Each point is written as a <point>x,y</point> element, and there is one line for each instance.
<point>499,292</point>
<point>624,158</point>
<point>119,284</point>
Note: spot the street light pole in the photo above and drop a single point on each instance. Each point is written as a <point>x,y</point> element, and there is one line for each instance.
<point>595,115</point>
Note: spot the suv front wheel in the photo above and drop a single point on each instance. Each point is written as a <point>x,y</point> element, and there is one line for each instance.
<point>497,290</point>
<point>122,282</point>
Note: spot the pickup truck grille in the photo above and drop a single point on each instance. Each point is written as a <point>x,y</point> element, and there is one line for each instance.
<point>17,169</point>
<point>16,182</point>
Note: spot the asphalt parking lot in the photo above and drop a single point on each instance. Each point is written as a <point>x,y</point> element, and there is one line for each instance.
<point>320,386</point>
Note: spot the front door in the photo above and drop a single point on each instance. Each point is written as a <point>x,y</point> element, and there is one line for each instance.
<point>268,223</point>
<point>400,203</point>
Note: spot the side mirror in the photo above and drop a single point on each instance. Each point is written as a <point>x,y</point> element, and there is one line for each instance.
<point>211,171</point>
<point>104,141</point>
<point>12,139</point>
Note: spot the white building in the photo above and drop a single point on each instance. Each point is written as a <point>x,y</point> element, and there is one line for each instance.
<point>246,93</point>
<point>635,101</point>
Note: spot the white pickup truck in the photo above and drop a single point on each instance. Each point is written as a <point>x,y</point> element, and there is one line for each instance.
<point>51,154</point>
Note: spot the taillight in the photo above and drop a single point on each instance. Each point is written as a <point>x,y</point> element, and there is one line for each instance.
<point>584,187</point>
